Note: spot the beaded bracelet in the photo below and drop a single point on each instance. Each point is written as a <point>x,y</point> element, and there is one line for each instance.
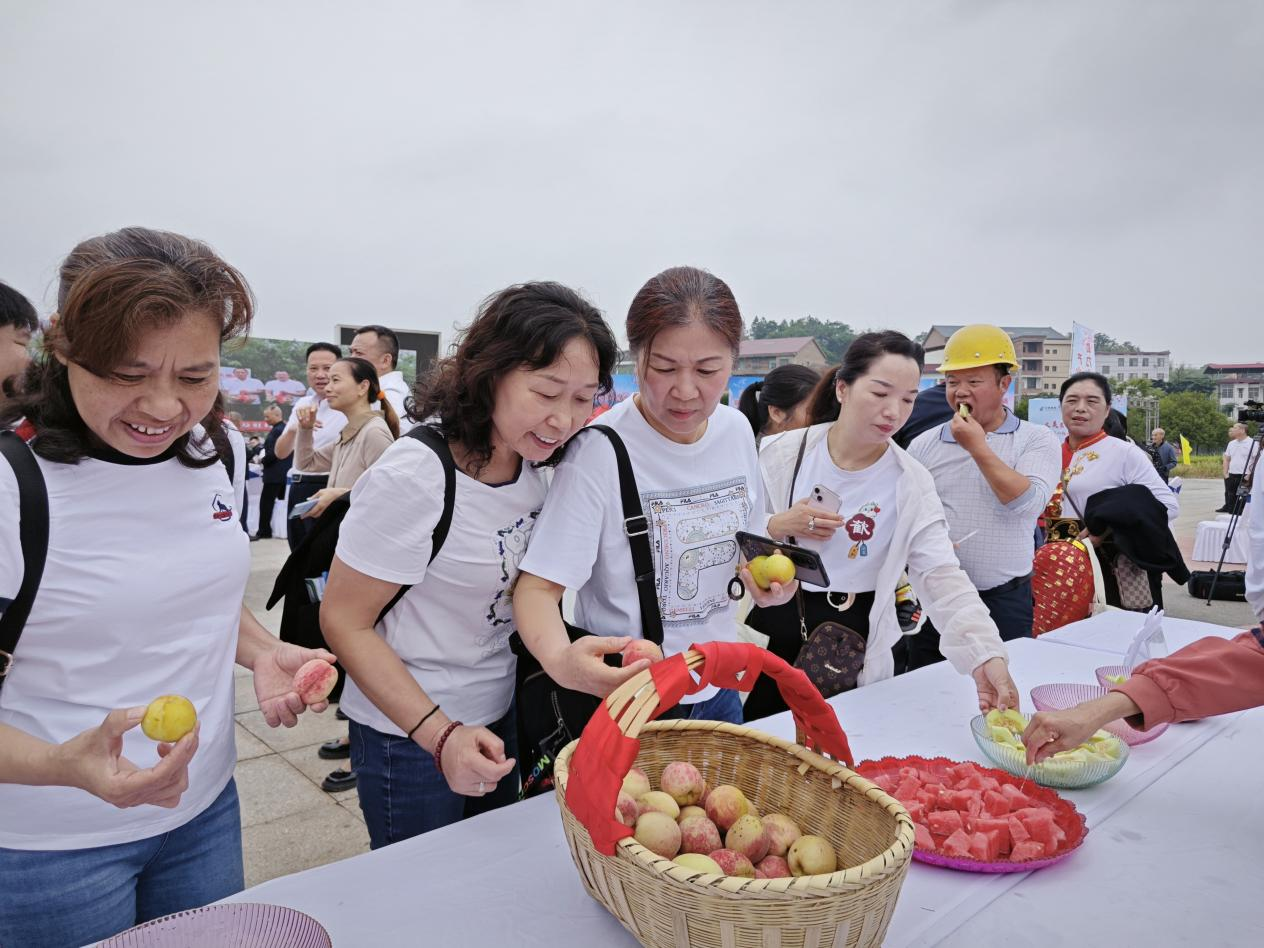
<point>422,721</point>
<point>443,739</point>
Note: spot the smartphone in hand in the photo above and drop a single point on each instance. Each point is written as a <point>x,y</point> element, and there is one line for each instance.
<point>826,499</point>
<point>808,567</point>
<point>300,509</point>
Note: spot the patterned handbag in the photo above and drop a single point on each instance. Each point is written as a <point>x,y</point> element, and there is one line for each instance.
<point>1134,585</point>
<point>832,656</point>
<point>1062,585</point>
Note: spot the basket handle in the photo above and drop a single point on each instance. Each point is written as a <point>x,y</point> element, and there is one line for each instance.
<point>609,744</point>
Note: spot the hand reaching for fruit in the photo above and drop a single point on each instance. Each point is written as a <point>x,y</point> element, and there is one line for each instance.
<point>94,761</point>
<point>996,688</point>
<point>1050,732</point>
<point>276,688</point>
<point>581,665</point>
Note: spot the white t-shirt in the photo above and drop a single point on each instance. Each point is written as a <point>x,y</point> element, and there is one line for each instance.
<point>141,596</point>
<point>695,496</point>
<point>855,553</point>
<point>1109,463</point>
<point>241,390</point>
<point>452,628</point>
<point>1237,452</point>
<point>331,425</point>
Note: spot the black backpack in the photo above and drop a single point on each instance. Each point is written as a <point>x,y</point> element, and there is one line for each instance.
<point>301,581</point>
<point>33,535</point>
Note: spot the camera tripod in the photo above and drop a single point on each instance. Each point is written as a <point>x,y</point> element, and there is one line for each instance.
<point>1239,504</point>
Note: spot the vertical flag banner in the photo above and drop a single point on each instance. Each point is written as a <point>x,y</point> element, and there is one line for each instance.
<point>1185,450</point>
<point>1083,349</point>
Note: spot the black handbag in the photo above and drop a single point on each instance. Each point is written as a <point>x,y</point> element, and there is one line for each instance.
<point>832,656</point>
<point>550,716</point>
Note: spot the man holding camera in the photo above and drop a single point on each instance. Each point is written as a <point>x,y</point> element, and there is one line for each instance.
<point>1235,460</point>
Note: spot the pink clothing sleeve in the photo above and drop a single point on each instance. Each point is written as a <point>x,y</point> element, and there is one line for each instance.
<point>1208,677</point>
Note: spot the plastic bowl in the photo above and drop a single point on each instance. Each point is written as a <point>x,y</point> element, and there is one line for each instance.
<point>1059,697</point>
<point>1069,775</point>
<point>252,924</point>
<point>1105,670</point>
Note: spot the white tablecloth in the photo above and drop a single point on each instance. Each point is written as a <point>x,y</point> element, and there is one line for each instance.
<point>1209,542</point>
<point>507,877</point>
<point>1114,631</point>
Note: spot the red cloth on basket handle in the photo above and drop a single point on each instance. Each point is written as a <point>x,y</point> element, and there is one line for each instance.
<point>605,754</point>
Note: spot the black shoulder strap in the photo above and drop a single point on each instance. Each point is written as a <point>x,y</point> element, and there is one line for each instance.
<point>433,439</point>
<point>798,463</point>
<point>33,533</point>
<point>637,529</point>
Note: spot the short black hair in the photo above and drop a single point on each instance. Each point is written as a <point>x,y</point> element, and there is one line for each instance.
<point>1095,377</point>
<point>323,347</point>
<point>16,309</point>
<point>390,341</point>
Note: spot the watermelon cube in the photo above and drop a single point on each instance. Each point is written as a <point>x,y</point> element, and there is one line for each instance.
<point>916,811</point>
<point>945,822</point>
<point>886,782</point>
<point>922,838</point>
<point>998,828</point>
<point>907,772</point>
<point>1017,799</point>
<point>959,799</point>
<point>1040,825</point>
<point>928,798</point>
<point>1017,831</point>
<point>925,776</point>
<point>995,803</point>
<point>1028,849</point>
<point>975,806</point>
<point>958,844</point>
<point>986,847</point>
<point>973,782</point>
<point>991,783</point>
<point>961,772</point>
<point>907,789</point>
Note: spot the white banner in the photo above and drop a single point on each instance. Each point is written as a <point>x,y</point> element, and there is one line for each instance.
<point>1047,412</point>
<point>1083,349</point>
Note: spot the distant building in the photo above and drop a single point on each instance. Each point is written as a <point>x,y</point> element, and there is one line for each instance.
<point>1237,382</point>
<point>1155,366</point>
<point>1044,356</point>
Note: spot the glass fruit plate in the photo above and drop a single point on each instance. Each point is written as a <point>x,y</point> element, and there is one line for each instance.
<point>240,924</point>
<point>1063,774</point>
<point>1065,814</point>
<point>1059,697</point>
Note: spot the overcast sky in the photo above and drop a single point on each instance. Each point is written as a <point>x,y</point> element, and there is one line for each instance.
<point>884,164</point>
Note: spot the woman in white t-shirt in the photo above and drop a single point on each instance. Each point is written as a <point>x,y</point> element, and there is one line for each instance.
<point>889,517</point>
<point>698,477</point>
<point>430,685</point>
<point>141,596</point>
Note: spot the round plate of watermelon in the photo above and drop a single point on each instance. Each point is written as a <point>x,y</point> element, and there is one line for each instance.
<point>978,819</point>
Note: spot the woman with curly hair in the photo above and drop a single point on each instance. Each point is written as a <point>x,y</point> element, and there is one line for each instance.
<point>430,684</point>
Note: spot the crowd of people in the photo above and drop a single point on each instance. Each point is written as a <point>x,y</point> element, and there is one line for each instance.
<point>464,510</point>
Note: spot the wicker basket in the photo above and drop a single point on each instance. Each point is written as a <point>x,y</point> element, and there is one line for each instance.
<point>668,906</point>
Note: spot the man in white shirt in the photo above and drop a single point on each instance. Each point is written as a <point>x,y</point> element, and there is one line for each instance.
<point>282,389</point>
<point>241,388</point>
<point>380,346</point>
<point>1234,462</point>
<point>329,423</point>
<point>994,475</point>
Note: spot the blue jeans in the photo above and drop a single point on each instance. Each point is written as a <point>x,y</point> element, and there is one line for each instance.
<point>402,794</point>
<point>724,705</point>
<point>72,897</point>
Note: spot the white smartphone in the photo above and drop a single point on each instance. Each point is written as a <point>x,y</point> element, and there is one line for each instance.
<point>826,499</point>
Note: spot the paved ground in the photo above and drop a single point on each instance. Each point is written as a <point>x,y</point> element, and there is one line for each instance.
<point>290,824</point>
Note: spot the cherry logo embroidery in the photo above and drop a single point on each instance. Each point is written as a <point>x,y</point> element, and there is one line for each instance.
<point>860,527</point>
<point>219,510</point>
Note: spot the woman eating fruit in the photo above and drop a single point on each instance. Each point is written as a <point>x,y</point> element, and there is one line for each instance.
<point>698,479</point>
<point>843,490</point>
<point>430,683</point>
<point>140,598</point>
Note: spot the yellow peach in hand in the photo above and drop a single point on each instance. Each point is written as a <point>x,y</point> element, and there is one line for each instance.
<point>168,718</point>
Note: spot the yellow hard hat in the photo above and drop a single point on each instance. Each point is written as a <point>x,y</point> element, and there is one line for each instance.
<point>972,347</point>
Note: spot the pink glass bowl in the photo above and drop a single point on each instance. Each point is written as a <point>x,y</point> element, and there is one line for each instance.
<point>1059,697</point>
<point>240,924</point>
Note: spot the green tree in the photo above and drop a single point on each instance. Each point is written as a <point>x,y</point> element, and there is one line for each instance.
<point>1198,418</point>
<point>1104,343</point>
<point>832,337</point>
<point>1184,378</point>
<point>1020,408</point>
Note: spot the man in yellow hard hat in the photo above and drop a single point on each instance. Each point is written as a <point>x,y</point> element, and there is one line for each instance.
<point>994,474</point>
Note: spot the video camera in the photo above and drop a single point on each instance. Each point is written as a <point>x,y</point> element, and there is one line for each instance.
<point>1254,411</point>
